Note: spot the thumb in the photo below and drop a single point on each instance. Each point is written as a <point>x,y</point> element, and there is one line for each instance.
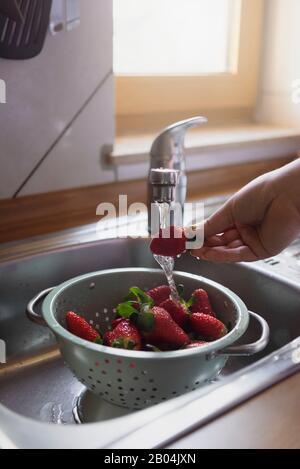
<point>222,220</point>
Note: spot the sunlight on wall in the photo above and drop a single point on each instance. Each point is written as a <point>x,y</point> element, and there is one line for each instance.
<point>171,36</point>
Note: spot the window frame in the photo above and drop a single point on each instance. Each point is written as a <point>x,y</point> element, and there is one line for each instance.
<point>146,95</point>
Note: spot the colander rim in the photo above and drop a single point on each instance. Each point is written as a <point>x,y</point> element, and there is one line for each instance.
<point>238,330</point>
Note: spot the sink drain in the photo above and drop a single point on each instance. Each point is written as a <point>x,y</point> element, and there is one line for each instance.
<point>90,408</point>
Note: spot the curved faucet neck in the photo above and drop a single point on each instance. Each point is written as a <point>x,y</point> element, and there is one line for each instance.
<point>167,153</point>
<point>169,144</point>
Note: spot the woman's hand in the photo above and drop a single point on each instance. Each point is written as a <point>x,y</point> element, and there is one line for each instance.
<point>258,222</point>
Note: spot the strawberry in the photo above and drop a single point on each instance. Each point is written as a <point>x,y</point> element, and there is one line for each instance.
<point>125,335</point>
<point>170,242</point>
<point>81,328</point>
<point>196,343</point>
<point>158,327</point>
<point>159,294</point>
<point>207,326</point>
<point>116,322</point>
<point>155,324</point>
<point>200,303</point>
<point>177,310</point>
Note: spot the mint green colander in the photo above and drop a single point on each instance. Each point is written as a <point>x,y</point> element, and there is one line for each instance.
<point>133,379</point>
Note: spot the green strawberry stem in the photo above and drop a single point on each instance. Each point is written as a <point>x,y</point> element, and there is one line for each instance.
<point>144,319</point>
<point>98,341</point>
<point>126,310</point>
<point>124,343</point>
<point>141,296</point>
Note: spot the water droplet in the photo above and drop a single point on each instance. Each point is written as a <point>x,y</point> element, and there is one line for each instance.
<point>92,286</point>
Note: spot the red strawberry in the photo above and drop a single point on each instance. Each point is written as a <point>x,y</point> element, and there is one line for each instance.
<point>116,322</point>
<point>124,335</point>
<point>170,242</point>
<point>161,329</point>
<point>81,328</point>
<point>196,343</point>
<point>159,294</point>
<point>201,303</point>
<point>177,310</point>
<point>207,326</point>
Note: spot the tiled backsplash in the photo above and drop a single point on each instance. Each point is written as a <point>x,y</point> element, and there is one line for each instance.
<point>60,109</point>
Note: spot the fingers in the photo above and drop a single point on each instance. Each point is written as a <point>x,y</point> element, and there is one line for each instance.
<point>235,244</point>
<point>235,253</point>
<point>281,226</point>
<point>223,239</point>
<point>251,237</point>
<point>229,239</point>
<point>219,222</point>
<point>227,247</point>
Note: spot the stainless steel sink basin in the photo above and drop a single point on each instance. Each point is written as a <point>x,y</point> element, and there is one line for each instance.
<point>36,388</point>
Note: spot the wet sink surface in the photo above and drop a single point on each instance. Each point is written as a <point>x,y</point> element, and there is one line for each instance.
<point>35,382</point>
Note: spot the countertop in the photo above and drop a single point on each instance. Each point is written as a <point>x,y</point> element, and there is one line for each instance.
<point>270,420</point>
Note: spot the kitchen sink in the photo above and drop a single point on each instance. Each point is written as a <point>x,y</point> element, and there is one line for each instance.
<point>41,402</point>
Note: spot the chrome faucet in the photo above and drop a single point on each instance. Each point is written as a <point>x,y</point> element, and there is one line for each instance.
<point>167,152</point>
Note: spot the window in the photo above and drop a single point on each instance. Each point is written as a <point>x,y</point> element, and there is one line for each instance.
<point>186,55</point>
<point>172,37</point>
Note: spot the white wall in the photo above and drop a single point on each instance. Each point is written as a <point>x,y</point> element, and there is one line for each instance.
<point>280,63</point>
<point>60,109</point>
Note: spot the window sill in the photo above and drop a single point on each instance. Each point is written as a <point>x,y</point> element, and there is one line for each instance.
<point>214,146</point>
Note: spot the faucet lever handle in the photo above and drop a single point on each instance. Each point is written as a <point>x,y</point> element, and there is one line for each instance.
<point>170,142</point>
